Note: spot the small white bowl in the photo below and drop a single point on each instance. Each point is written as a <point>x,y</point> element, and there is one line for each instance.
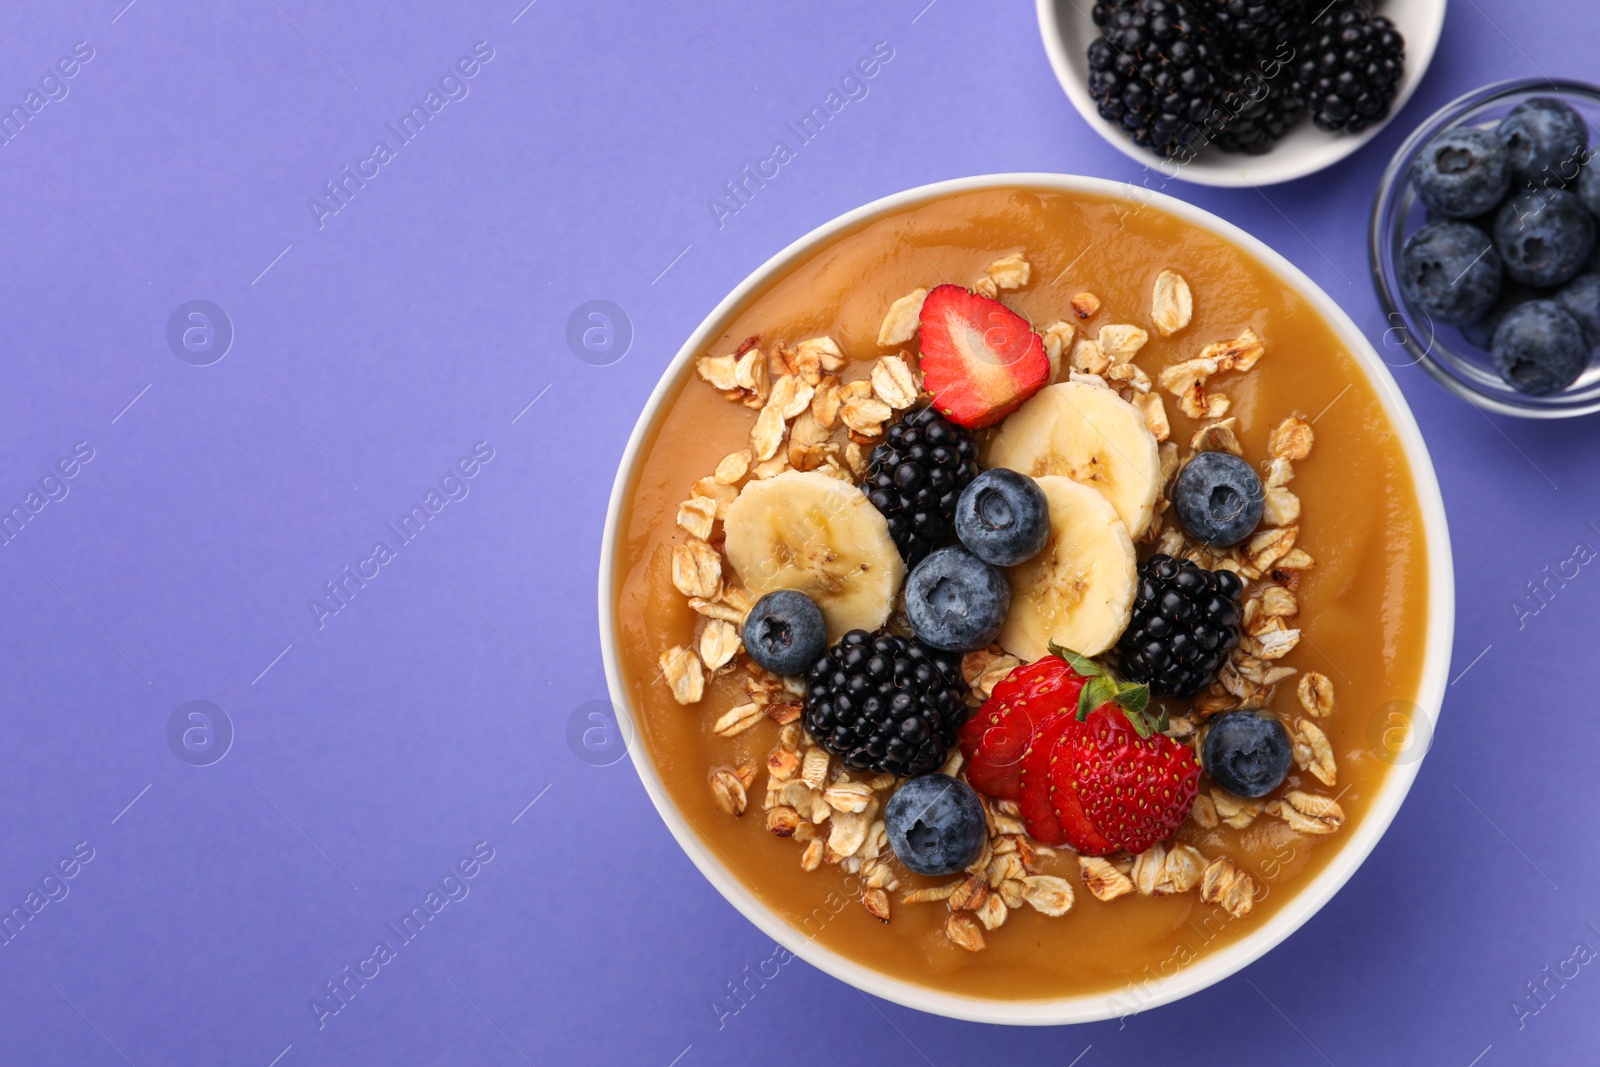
<point>1309,898</point>
<point>1068,27</point>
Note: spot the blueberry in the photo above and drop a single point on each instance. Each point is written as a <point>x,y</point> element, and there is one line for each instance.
<point>1547,141</point>
<point>956,602</point>
<point>1543,236</point>
<point>1480,332</point>
<point>1450,270</point>
<point>1589,188</point>
<point>1581,299</point>
<point>1247,753</point>
<point>1003,517</point>
<point>1219,498</point>
<point>935,824</point>
<point>784,632</point>
<point>1539,348</point>
<point>1462,172</point>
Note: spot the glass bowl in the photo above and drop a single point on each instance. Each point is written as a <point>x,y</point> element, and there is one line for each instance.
<point>1409,335</point>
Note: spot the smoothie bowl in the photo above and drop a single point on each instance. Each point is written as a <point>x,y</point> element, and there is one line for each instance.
<point>1030,598</point>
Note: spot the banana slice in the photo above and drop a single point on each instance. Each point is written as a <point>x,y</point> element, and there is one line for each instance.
<point>1091,435</point>
<point>807,531</point>
<point>1079,591</point>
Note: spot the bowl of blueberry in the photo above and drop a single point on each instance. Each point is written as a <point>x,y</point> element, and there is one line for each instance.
<point>1485,253</point>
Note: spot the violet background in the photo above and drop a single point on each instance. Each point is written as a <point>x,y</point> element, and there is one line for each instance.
<point>428,713</point>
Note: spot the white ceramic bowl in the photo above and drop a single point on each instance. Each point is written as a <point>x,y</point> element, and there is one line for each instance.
<point>1068,26</point>
<point>1310,897</point>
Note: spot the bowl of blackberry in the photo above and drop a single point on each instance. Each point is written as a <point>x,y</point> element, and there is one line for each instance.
<point>1239,93</point>
<point>1485,248</point>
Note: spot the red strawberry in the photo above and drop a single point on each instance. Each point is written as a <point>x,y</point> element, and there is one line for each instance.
<point>997,736</point>
<point>1076,829</point>
<point>1134,790</point>
<point>980,359</point>
<point>1036,788</point>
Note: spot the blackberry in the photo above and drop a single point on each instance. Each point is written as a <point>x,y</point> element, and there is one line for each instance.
<point>915,479</point>
<point>1261,112</point>
<point>1350,66</point>
<point>885,703</point>
<point>1252,31</point>
<point>1155,72</point>
<point>1185,622</point>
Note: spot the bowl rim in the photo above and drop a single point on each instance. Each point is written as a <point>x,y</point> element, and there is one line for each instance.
<point>1212,967</point>
<point>1252,171</point>
<point>1391,186</point>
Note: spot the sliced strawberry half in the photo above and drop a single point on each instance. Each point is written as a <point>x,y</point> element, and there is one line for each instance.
<point>980,359</point>
<point>1038,813</point>
<point>997,736</point>
<point>1076,829</point>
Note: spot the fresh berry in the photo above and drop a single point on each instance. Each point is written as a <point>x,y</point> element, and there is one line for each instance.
<point>1480,331</point>
<point>1450,271</point>
<point>915,478</point>
<point>1252,31</point>
<point>1247,753</point>
<point>980,359</point>
<point>1547,140</point>
<point>885,703</point>
<point>1462,173</point>
<point>996,737</point>
<point>935,824</point>
<point>1544,236</point>
<point>1581,299</point>
<point>1349,67</point>
<point>1135,787</point>
<point>1155,72</point>
<point>1588,188</point>
<point>1539,348</point>
<point>785,632</point>
<point>956,601</point>
<point>1003,517</point>
<point>1219,498</point>
<point>1261,111</point>
<point>1185,622</point>
<point>1071,822</point>
<point>1036,779</point>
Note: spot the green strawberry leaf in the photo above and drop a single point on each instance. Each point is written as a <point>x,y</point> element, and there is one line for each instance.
<point>1085,666</point>
<point>1134,698</point>
<point>1139,721</point>
<point>1099,690</point>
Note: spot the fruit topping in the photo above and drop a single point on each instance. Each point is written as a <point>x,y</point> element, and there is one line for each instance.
<point>885,703</point>
<point>1547,140</point>
<point>980,359</point>
<point>1136,787</point>
<point>1155,72</point>
<point>915,478</point>
<point>998,735</point>
<point>1248,752</point>
<point>935,825</point>
<point>1079,590</point>
<point>1003,517</point>
<point>1539,348</point>
<point>1349,66</point>
<point>955,601</point>
<point>1090,435</point>
<point>1185,621</point>
<point>1463,172</point>
<point>820,536</point>
<point>1450,270</point>
<point>785,632</point>
<point>1251,30</point>
<point>1219,498</point>
<point>1544,236</point>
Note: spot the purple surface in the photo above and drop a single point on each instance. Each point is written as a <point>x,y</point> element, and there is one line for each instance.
<point>375,751</point>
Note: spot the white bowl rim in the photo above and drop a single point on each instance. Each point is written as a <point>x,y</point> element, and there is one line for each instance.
<point>1212,967</point>
<point>1272,168</point>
